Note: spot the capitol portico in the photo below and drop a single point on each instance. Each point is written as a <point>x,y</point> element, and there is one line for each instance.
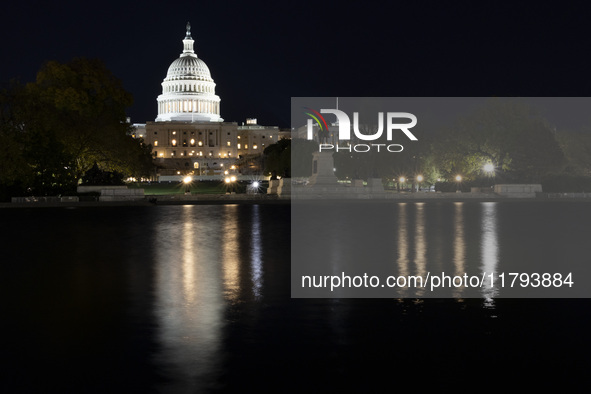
<point>189,136</point>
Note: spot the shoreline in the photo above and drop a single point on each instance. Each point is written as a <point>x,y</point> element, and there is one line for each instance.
<point>253,199</point>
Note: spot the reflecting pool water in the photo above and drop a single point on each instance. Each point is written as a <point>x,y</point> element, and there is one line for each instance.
<point>439,249</point>
<point>194,299</point>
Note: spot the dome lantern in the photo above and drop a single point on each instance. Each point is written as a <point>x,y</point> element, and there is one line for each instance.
<point>188,43</point>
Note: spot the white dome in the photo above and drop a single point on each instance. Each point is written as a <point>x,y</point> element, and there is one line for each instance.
<point>188,91</point>
<point>188,67</point>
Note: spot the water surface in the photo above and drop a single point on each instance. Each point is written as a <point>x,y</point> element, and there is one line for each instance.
<point>193,299</point>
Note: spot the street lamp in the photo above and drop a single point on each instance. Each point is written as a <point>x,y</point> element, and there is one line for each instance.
<point>458,180</point>
<point>489,168</point>
<point>230,184</point>
<point>187,182</point>
<point>253,188</point>
<point>419,180</point>
<point>401,180</point>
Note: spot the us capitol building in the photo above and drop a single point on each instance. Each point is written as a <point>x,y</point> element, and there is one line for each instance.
<point>189,137</point>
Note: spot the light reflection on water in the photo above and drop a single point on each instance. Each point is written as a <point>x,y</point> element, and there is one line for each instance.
<point>428,260</point>
<point>402,246</point>
<point>199,296</point>
<point>230,258</point>
<point>189,289</point>
<point>459,246</point>
<point>420,243</point>
<point>489,251</point>
<point>256,246</point>
<point>204,258</point>
<point>458,242</point>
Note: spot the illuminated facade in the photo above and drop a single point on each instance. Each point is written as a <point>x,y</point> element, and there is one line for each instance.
<point>200,148</point>
<point>188,91</point>
<point>188,135</point>
<point>253,138</point>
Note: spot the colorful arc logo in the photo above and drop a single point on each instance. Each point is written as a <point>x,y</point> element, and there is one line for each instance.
<point>315,116</point>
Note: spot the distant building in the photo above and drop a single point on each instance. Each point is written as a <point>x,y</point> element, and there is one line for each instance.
<point>254,138</point>
<point>188,135</point>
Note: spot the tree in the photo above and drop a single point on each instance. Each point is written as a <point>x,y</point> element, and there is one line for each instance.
<point>83,107</point>
<point>277,158</point>
<point>96,176</point>
<point>577,150</point>
<point>300,156</point>
<point>507,133</point>
<point>14,168</point>
<point>55,129</point>
<point>375,160</point>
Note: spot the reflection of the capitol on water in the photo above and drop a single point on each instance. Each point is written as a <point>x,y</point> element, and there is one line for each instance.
<point>199,271</point>
<point>211,257</point>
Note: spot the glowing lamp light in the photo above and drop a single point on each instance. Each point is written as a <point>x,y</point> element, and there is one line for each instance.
<point>420,178</point>
<point>402,179</point>
<point>227,180</point>
<point>255,184</point>
<point>187,179</point>
<point>488,167</point>
<point>458,178</point>
<point>233,178</point>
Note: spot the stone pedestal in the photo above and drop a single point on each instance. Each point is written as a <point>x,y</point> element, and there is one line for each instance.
<point>322,170</point>
<point>519,190</point>
<point>284,188</point>
<point>375,185</point>
<point>121,194</point>
<point>273,185</point>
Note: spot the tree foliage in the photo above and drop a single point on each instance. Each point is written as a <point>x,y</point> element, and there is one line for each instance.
<point>508,134</point>
<point>96,176</point>
<point>72,117</point>
<point>404,159</point>
<point>290,158</point>
<point>301,157</point>
<point>577,150</point>
<point>14,169</point>
<point>278,158</point>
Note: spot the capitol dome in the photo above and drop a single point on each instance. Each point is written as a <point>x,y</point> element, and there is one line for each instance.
<point>188,91</point>
<point>188,67</point>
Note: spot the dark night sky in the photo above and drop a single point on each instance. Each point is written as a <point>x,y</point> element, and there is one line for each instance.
<point>261,53</point>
